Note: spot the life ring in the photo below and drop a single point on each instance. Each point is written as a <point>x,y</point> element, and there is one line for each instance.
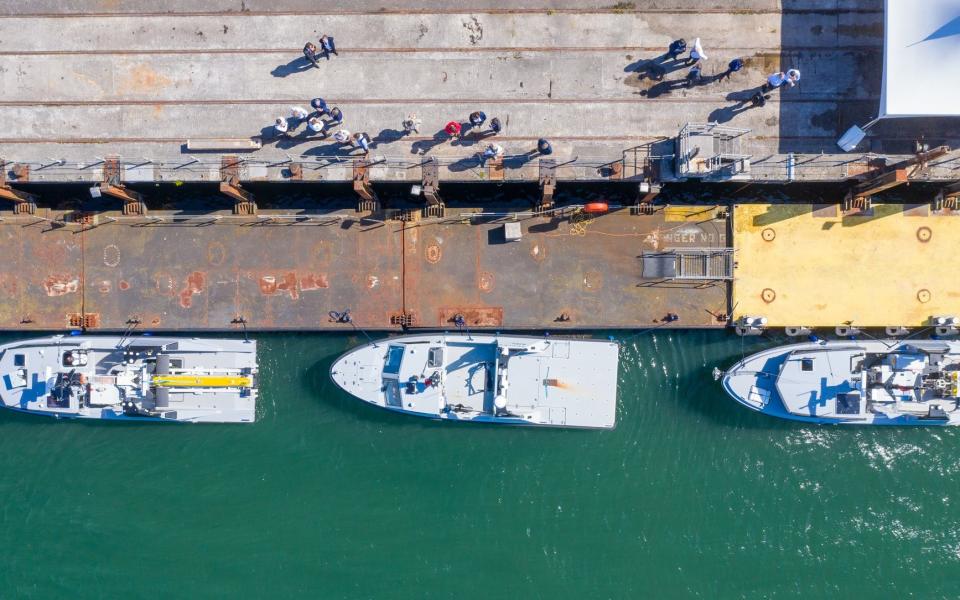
<point>596,207</point>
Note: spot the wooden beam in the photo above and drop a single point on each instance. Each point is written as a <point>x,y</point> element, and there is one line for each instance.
<point>118,191</point>
<point>880,183</point>
<point>234,191</point>
<point>8,193</point>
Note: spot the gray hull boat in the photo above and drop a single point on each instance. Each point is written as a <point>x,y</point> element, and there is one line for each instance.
<point>121,378</point>
<point>865,382</point>
<point>506,379</point>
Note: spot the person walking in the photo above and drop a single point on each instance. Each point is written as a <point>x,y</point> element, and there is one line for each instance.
<point>779,79</point>
<point>336,116</point>
<point>310,51</point>
<point>280,126</point>
<point>759,99</point>
<point>694,76</point>
<point>492,151</point>
<point>495,125</point>
<point>697,54</point>
<point>676,48</point>
<point>319,105</point>
<point>544,147</point>
<point>326,43</point>
<point>452,129</point>
<point>341,136</point>
<point>362,141</point>
<point>411,124</point>
<point>734,66</point>
<point>477,118</point>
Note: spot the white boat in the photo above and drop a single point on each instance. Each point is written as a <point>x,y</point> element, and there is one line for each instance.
<point>867,382</point>
<point>508,379</point>
<point>122,378</point>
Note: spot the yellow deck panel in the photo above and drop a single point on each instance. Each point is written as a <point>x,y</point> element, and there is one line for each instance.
<point>202,381</point>
<point>821,269</point>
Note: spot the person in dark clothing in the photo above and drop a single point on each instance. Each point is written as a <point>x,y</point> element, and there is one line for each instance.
<point>694,77</point>
<point>336,116</point>
<point>477,118</point>
<point>544,147</point>
<point>495,125</point>
<point>319,105</point>
<point>759,99</point>
<point>326,43</point>
<point>676,48</point>
<point>310,51</point>
<point>734,66</point>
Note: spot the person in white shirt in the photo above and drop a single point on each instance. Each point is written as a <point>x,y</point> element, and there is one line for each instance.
<point>342,136</point>
<point>777,80</point>
<point>280,126</point>
<point>492,151</point>
<point>315,125</point>
<point>298,114</point>
<point>411,124</point>
<point>697,54</point>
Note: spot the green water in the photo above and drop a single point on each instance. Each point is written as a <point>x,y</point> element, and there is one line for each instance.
<point>690,496</point>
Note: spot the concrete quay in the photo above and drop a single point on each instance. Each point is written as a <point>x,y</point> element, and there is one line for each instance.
<point>84,81</point>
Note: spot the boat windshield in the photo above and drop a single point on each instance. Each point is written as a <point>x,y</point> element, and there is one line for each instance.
<point>391,365</point>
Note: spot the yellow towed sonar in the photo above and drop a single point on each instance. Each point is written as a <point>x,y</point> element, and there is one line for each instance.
<point>207,381</point>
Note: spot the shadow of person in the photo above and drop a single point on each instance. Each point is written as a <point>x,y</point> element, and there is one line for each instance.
<point>269,135</point>
<point>464,164</point>
<point>294,140</point>
<point>335,149</point>
<point>424,146</point>
<point>656,68</point>
<point>664,87</point>
<point>744,95</point>
<point>296,65</point>
<point>515,161</point>
<point>725,114</point>
<point>386,136</point>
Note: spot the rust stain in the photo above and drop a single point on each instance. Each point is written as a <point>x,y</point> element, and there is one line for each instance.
<point>290,284</point>
<point>538,251</point>
<point>433,254</point>
<point>195,284</point>
<point>372,281</point>
<point>486,281</point>
<point>104,286</point>
<point>314,282</point>
<point>144,79</point>
<point>124,285</point>
<point>653,239</point>
<point>60,285</point>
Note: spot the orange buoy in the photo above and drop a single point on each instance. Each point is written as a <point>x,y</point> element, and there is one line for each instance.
<point>595,207</point>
